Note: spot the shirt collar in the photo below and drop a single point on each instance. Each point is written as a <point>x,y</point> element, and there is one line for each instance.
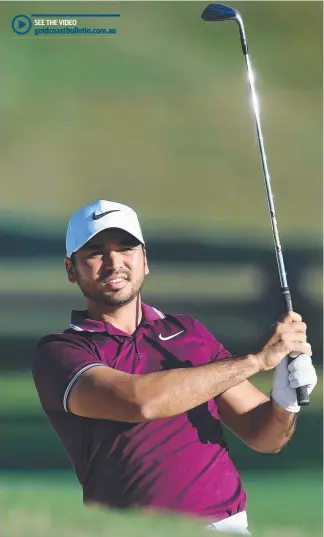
<point>151,314</point>
<point>81,323</point>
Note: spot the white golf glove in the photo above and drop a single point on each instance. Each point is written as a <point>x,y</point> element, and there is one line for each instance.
<point>286,378</point>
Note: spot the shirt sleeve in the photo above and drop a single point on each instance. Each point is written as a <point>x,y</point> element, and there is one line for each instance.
<point>214,350</point>
<point>58,362</point>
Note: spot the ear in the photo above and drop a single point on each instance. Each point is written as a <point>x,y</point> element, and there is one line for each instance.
<point>69,270</point>
<point>146,267</point>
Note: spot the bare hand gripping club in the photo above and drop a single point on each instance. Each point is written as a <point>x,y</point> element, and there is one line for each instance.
<point>218,13</point>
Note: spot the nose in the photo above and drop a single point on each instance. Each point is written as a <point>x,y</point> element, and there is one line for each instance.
<point>112,260</point>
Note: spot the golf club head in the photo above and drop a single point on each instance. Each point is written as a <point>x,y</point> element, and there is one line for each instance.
<point>219,12</point>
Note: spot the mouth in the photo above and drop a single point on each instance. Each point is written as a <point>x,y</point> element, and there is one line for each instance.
<point>115,282</point>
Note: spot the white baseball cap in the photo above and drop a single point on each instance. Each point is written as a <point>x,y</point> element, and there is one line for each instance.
<point>86,222</point>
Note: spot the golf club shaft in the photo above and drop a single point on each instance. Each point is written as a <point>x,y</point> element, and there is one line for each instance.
<point>302,393</point>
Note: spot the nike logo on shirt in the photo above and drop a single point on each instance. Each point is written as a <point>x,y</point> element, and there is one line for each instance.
<point>170,337</point>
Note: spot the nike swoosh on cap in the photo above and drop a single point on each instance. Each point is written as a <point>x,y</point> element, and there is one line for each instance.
<point>97,216</point>
<point>170,337</point>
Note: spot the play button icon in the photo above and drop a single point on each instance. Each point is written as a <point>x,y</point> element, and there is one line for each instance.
<point>21,24</point>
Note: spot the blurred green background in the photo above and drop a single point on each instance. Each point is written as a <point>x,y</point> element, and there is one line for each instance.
<point>158,117</point>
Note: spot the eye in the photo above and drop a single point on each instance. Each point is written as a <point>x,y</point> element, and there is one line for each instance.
<point>127,248</point>
<point>95,253</point>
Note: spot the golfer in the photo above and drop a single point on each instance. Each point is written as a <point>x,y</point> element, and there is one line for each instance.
<point>139,397</point>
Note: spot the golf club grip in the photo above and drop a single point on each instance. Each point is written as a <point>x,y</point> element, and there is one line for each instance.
<point>302,396</point>
<point>302,393</point>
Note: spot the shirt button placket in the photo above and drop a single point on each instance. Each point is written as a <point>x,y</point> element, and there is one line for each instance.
<point>136,344</point>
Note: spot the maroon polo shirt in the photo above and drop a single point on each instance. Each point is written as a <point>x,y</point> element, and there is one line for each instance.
<point>180,463</point>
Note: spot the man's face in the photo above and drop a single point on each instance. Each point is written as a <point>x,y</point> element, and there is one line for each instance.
<point>110,268</point>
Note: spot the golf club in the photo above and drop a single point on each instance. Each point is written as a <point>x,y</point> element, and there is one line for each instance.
<point>218,13</point>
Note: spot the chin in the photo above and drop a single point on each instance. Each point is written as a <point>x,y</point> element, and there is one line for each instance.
<point>118,299</point>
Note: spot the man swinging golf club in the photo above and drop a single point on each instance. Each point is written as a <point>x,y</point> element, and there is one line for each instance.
<point>138,397</point>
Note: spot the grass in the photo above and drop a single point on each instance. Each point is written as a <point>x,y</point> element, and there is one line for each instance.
<point>39,505</point>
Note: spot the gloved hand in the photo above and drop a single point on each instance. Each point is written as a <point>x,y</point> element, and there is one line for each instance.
<point>286,378</point>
